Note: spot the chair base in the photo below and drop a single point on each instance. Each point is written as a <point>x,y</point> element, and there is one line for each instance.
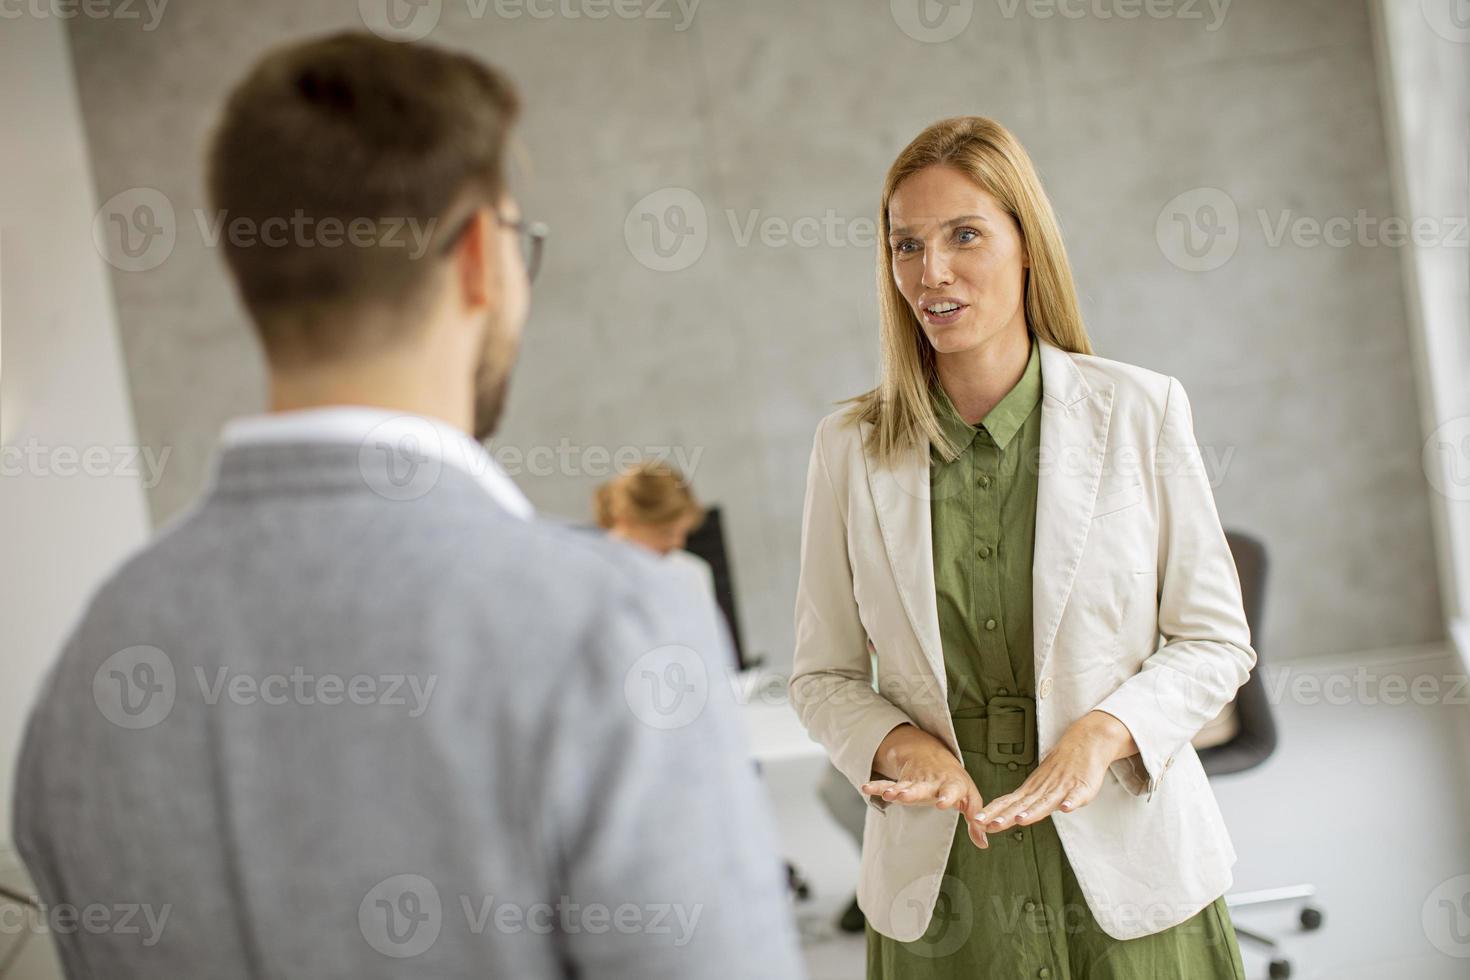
<point>1310,917</point>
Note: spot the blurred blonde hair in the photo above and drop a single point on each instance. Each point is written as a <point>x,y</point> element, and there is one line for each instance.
<point>899,409</point>
<point>651,493</point>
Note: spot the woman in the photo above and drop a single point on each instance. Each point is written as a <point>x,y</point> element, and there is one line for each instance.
<point>652,506</point>
<point>1024,534</point>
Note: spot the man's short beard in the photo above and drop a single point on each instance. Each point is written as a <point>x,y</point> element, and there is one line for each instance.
<point>492,375</point>
<point>490,398</point>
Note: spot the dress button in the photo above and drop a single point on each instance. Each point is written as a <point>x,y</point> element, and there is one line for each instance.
<point>1013,765</point>
<point>1030,906</point>
<point>985,551</point>
<point>1001,691</point>
<point>1020,835</point>
<point>1043,973</point>
<point>985,481</point>
<point>1045,688</point>
<point>990,624</point>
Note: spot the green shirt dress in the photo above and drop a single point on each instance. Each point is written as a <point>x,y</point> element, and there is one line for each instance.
<point>1014,910</point>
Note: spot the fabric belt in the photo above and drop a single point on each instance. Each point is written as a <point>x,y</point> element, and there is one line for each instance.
<point>1003,729</point>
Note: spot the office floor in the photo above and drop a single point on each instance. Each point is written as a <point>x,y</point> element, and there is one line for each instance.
<point>1367,797</point>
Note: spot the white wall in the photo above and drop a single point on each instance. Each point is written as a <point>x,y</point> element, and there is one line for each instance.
<point>63,395</point>
<point>1423,55</point>
<point>780,117</point>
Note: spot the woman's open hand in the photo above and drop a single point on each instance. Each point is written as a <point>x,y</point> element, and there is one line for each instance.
<point>925,773</point>
<point>1067,778</point>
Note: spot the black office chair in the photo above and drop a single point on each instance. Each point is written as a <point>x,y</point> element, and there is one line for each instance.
<point>1253,743</point>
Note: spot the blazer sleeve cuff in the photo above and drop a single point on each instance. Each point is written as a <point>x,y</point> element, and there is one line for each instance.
<point>861,748</point>
<point>1141,772</point>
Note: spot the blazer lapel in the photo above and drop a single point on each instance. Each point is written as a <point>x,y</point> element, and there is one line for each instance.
<point>1074,430</point>
<point>901,498</point>
<point>1074,437</point>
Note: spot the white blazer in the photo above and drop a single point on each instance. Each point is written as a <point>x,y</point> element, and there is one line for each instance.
<point>1136,610</point>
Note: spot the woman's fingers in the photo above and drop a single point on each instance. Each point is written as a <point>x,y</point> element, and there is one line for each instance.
<point>953,794</point>
<point>944,793</point>
<point>1028,805</point>
<point>1014,805</point>
<point>977,835</point>
<point>977,832</point>
<point>877,787</point>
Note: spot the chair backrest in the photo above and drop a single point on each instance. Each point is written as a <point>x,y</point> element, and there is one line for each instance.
<point>708,542</point>
<point>1255,738</point>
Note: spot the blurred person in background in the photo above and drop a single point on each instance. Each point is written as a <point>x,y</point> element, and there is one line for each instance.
<point>650,504</point>
<point>1008,525</point>
<point>653,506</point>
<point>360,712</point>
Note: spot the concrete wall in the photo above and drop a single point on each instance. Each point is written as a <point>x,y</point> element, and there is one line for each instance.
<point>71,497</point>
<point>71,491</point>
<point>1223,122</point>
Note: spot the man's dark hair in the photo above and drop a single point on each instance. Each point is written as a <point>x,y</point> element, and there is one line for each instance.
<point>343,129</point>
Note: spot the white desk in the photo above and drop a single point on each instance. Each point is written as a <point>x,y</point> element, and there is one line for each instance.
<point>772,728</point>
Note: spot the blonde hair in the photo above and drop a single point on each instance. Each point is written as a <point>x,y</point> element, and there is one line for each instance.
<point>899,409</point>
<point>651,493</point>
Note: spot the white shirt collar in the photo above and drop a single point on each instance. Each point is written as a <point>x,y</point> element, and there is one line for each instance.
<point>357,424</point>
